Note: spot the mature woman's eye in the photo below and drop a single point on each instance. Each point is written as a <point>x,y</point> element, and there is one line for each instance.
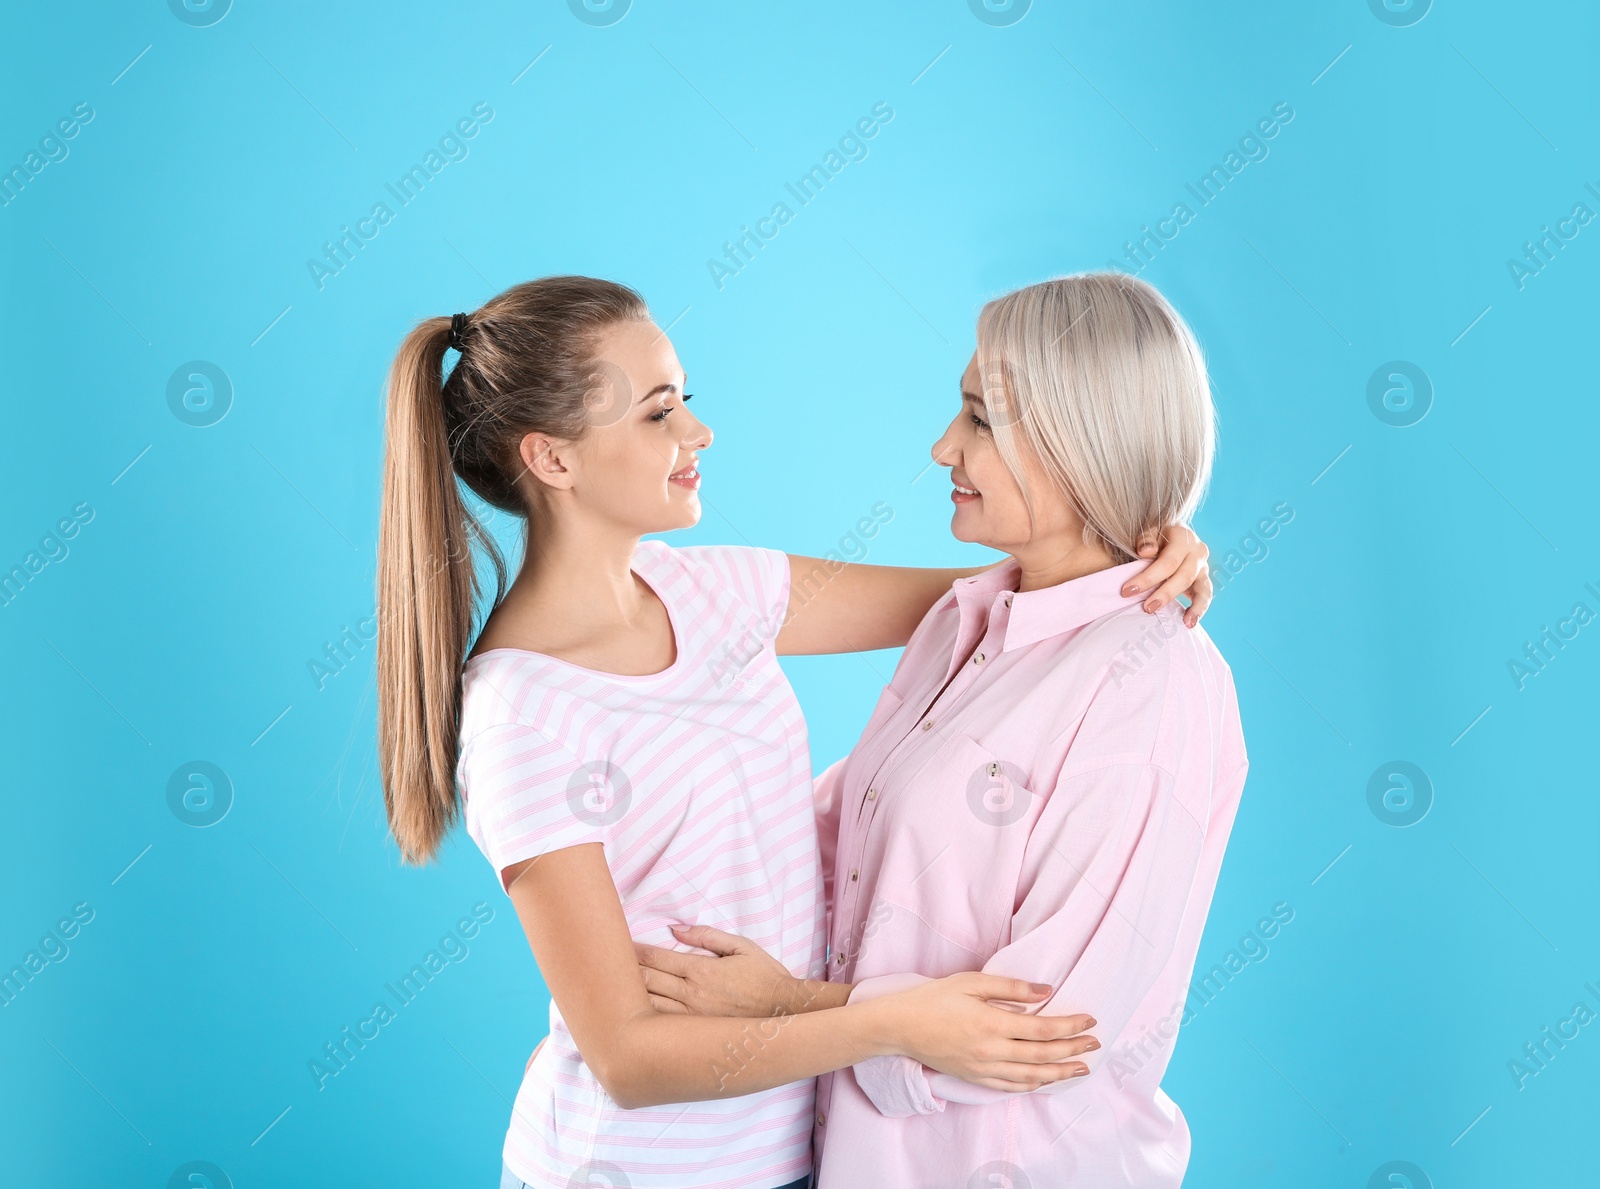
<point>979,421</point>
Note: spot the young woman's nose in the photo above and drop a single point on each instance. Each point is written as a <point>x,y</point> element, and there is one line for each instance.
<point>699,435</point>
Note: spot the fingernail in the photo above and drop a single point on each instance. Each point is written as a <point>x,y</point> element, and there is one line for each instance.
<point>1041,988</point>
<point>1130,589</point>
<point>1091,1046</point>
<point>1093,1021</point>
<point>1150,606</point>
<point>1082,1069</point>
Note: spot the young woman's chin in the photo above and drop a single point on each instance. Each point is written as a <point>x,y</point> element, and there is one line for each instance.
<point>681,511</point>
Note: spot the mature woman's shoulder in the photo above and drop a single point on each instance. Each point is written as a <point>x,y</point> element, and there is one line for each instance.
<point>1155,682</point>
<point>1140,650</point>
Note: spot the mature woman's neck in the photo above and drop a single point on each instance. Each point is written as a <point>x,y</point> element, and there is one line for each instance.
<point>1050,563</point>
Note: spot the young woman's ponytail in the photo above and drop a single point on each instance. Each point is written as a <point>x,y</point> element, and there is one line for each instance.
<point>526,365</point>
<point>426,595</point>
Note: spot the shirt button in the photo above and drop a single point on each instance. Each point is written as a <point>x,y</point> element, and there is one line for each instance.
<point>928,725</point>
<point>839,959</point>
<point>978,660</point>
<point>872,794</point>
<point>1008,600</point>
<point>822,1119</point>
<point>854,875</point>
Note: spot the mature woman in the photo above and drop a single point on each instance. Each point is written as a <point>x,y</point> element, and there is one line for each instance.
<point>1046,786</point>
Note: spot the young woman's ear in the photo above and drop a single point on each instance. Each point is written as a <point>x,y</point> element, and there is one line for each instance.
<point>545,458</point>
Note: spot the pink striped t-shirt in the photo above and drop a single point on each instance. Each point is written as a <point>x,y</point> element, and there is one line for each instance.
<point>697,780</point>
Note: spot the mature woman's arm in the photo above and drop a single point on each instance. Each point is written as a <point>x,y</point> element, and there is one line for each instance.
<point>839,606</point>
<point>1105,886</point>
<point>1110,867</point>
<point>573,917</point>
<point>744,980</point>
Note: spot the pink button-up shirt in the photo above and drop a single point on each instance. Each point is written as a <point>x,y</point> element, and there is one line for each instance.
<point>1044,791</point>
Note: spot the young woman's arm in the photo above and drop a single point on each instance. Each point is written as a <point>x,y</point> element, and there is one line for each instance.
<point>845,607</point>
<point>1103,923</point>
<point>570,910</point>
<point>837,606</point>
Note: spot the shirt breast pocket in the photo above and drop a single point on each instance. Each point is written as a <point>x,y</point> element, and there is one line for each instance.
<point>959,834</point>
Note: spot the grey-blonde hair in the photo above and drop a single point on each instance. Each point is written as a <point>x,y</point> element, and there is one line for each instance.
<point>1098,378</point>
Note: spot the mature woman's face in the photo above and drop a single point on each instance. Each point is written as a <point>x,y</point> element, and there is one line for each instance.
<point>989,505</point>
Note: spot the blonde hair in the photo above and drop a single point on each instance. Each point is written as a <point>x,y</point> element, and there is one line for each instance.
<point>527,365</point>
<point>1103,383</point>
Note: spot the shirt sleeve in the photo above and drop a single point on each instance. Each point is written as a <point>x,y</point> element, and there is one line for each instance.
<point>758,578</point>
<point>526,795</point>
<point>1105,883</point>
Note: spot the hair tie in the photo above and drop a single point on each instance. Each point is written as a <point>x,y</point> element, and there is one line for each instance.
<point>458,323</point>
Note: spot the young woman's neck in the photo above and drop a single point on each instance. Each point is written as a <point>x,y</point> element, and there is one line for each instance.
<point>577,599</point>
<point>582,573</point>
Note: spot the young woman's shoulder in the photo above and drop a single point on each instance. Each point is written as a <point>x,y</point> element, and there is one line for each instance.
<point>730,563</point>
<point>755,577</point>
<point>497,687</point>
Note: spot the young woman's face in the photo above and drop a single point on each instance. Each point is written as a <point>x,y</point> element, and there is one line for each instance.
<point>637,467</point>
<point>989,505</point>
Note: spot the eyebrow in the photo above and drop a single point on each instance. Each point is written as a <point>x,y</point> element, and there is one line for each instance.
<point>659,389</point>
<point>972,396</point>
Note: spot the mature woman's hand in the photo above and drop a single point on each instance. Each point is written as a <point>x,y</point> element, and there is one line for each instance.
<point>741,979</point>
<point>1179,568</point>
<point>958,1026</point>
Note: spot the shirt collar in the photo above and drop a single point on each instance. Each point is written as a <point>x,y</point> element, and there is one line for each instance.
<point>1036,615</point>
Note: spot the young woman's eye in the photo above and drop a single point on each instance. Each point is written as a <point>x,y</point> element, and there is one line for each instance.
<point>979,421</point>
<point>660,414</point>
<point>688,396</point>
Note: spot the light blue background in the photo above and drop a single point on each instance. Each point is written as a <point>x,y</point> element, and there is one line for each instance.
<point>221,559</point>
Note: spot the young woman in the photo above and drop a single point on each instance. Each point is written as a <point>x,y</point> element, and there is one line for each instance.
<point>628,753</point>
<point>1047,784</point>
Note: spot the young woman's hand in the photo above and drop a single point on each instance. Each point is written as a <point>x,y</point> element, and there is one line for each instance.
<point>960,1026</point>
<point>741,979</point>
<point>1179,568</point>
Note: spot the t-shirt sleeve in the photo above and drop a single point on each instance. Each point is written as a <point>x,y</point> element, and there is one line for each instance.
<point>758,578</point>
<point>526,795</point>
